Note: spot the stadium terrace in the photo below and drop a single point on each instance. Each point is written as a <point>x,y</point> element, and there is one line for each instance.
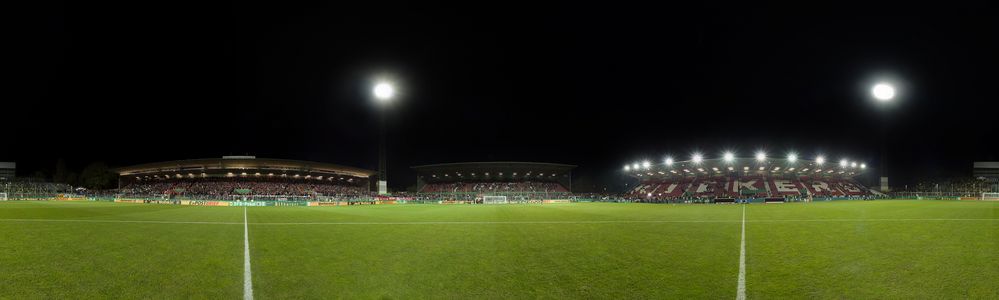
<point>475,181</point>
<point>243,178</point>
<point>753,179</point>
<point>744,166</point>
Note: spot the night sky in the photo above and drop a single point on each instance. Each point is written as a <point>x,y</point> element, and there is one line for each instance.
<point>595,85</point>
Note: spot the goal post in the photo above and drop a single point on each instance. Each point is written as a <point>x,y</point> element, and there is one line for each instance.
<point>990,196</point>
<point>494,200</point>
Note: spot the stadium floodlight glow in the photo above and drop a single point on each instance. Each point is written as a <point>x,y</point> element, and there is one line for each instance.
<point>634,166</point>
<point>669,161</point>
<point>761,156</point>
<point>863,166</point>
<point>853,164</point>
<point>646,164</point>
<point>792,157</point>
<point>843,163</point>
<point>627,168</point>
<point>697,158</point>
<point>383,91</point>
<point>728,156</point>
<point>883,91</point>
<point>820,160</point>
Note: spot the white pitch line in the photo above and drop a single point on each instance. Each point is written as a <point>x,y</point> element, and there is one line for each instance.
<point>247,277</point>
<point>487,222</point>
<point>120,221</point>
<point>740,293</point>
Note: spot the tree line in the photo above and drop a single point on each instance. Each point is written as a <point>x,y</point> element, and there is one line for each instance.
<point>95,175</point>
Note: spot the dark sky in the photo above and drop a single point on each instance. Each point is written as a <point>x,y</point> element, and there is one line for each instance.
<point>596,85</point>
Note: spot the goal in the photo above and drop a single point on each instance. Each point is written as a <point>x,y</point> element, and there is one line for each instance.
<point>3,196</point>
<point>494,200</point>
<point>990,196</point>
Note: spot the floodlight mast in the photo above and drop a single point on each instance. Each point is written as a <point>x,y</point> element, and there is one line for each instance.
<point>383,92</point>
<point>883,92</point>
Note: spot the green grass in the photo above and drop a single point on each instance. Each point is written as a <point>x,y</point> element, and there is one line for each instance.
<point>842,249</point>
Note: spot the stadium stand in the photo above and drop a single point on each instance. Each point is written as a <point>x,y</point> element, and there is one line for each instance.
<point>224,187</point>
<point>29,188</point>
<point>474,180</point>
<point>753,186</point>
<point>949,187</point>
<point>243,177</point>
<point>744,179</point>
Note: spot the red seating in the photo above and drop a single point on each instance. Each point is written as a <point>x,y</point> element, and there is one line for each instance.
<point>746,186</point>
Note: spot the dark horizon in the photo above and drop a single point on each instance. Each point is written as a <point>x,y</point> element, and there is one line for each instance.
<point>596,86</point>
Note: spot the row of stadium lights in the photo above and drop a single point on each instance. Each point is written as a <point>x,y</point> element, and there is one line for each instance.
<point>231,174</point>
<point>729,157</point>
<point>500,174</point>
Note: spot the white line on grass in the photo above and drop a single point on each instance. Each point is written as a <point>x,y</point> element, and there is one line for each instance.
<point>120,221</point>
<point>247,277</point>
<point>740,293</point>
<point>487,222</point>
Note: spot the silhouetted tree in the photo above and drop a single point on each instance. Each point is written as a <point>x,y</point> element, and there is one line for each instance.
<point>97,176</point>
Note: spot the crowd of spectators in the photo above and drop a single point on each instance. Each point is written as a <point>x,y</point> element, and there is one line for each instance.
<point>33,188</point>
<point>495,187</point>
<point>964,186</point>
<point>225,187</point>
<point>753,186</point>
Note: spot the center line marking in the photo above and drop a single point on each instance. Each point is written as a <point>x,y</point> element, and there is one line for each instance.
<point>247,277</point>
<point>741,292</point>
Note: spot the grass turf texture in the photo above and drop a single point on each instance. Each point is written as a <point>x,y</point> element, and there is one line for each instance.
<point>842,249</point>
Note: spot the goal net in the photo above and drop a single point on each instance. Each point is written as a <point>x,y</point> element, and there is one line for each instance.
<point>3,196</point>
<point>494,200</point>
<point>990,196</point>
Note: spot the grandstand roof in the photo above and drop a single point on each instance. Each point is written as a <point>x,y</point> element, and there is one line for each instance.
<point>751,166</point>
<point>497,170</point>
<point>241,163</point>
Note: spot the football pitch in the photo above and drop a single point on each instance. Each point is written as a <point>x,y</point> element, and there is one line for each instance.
<point>888,249</point>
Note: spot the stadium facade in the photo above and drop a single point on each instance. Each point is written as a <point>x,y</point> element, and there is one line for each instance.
<point>988,172</point>
<point>8,170</point>
<point>739,178</point>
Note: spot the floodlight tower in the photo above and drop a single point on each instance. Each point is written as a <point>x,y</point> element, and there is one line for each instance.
<point>883,93</point>
<point>384,92</point>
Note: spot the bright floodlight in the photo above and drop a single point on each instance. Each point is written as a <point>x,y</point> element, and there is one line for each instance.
<point>669,161</point>
<point>761,156</point>
<point>635,166</point>
<point>853,164</point>
<point>792,157</point>
<point>627,168</point>
<point>384,91</point>
<point>843,163</point>
<point>883,91</point>
<point>646,164</point>
<point>820,160</point>
<point>728,156</point>
<point>697,158</point>
<point>863,166</point>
